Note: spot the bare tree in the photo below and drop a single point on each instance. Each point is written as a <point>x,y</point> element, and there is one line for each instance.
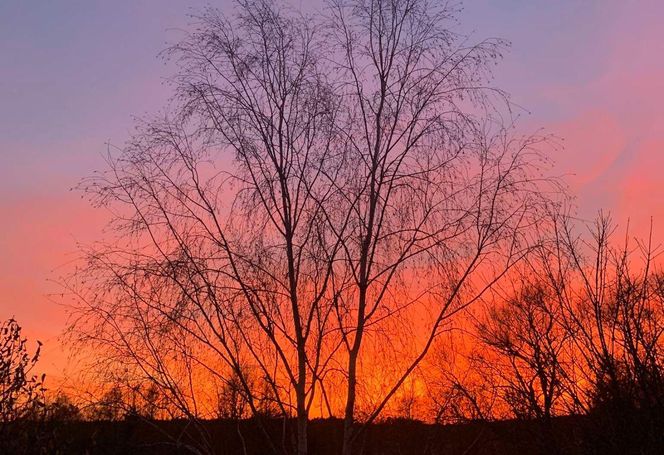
<point>596,333</point>
<point>457,388</point>
<point>232,402</point>
<point>317,182</point>
<point>527,357</point>
<point>435,185</point>
<point>525,333</point>
<point>610,296</point>
<point>21,390</point>
<point>222,257</point>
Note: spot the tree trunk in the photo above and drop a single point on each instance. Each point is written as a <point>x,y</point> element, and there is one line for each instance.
<point>302,443</point>
<point>302,417</point>
<point>301,388</point>
<point>349,414</point>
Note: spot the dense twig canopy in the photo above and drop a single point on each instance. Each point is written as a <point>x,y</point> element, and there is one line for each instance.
<point>318,181</point>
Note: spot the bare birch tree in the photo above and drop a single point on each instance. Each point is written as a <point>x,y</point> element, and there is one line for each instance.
<point>436,185</point>
<point>316,181</point>
<point>222,258</point>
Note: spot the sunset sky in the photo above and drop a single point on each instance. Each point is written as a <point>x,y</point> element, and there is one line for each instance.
<point>73,73</point>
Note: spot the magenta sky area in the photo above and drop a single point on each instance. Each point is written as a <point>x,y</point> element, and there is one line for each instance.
<point>74,72</point>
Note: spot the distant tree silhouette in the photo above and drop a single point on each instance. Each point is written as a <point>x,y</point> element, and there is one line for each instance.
<point>578,328</point>
<point>62,409</point>
<point>232,402</point>
<point>110,407</point>
<point>610,305</point>
<point>458,387</point>
<point>525,334</point>
<point>21,389</point>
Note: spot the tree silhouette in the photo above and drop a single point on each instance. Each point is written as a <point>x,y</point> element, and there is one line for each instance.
<point>21,390</point>
<point>316,182</point>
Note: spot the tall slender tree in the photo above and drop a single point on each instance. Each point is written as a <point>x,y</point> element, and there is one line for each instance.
<point>223,257</point>
<point>436,187</point>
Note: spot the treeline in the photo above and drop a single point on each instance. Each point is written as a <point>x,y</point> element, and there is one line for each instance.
<point>577,330</point>
<point>566,354</point>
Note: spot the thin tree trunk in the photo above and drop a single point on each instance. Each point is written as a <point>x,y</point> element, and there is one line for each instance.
<point>302,417</point>
<point>350,405</point>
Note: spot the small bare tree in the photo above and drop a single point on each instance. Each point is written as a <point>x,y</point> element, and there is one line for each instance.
<point>21,390</point>
<point>528,346</point>
<point>457,389</point>
<point>231,399</point>
<point>611,308</point>
<point>608,305</point>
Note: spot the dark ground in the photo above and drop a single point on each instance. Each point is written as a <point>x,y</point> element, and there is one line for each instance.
<point>564,435</point>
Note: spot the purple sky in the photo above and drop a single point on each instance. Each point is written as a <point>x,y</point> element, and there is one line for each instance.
<point>74,72</point>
